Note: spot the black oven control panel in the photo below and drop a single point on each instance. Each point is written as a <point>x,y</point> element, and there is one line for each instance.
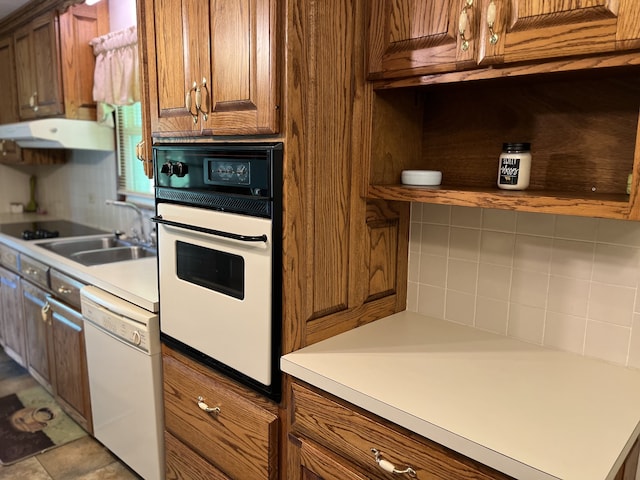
<point>223,172</point>
<point>239,177</point>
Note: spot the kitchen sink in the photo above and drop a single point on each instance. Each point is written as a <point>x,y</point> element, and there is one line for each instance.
<point>113,254</point>
<point>99,250</point>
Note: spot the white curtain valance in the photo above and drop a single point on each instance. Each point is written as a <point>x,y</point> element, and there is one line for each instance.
<point>116,79</point>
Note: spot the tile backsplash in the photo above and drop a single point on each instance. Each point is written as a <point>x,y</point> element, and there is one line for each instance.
<point>564,282</point>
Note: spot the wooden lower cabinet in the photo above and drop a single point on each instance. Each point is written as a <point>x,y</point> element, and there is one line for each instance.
<point>237,440</point>
<point>12,316</point>
<point>38,334</point>
<point>334,440</point>
<point>69,359</point>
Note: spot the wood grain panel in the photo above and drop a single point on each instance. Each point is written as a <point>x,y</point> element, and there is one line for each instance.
<point>242,440</point>
<point>12,316</point>
<point>70,364</point>
<point>184,464</point>
<point>413,37</point>
<point>312,462</point>
<point>78,25</point>
<point>528,14</point>
<point>351,434</point>
<point>8,100</point>
<point>38,335</point>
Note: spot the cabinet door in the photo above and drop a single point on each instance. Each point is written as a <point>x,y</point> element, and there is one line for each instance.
<point>8,99</point>
<point>307,461</point>
<point>221,57</point>
<point>241,69</point>
<point>175,65</point>
<point>12,315</point>
<point>413,37</point>
<point>78,25</point>
<point>38,68</point>
<point>38,333</point>
<point>531,30</point>
<point>70,363</point>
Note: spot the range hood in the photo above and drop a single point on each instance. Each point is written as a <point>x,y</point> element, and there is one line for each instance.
<point>60,133</point>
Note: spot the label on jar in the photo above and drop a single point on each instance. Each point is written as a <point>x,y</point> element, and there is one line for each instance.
<point>509,171</point>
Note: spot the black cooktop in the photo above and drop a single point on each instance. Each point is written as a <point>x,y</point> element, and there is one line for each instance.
<point>47,229</point>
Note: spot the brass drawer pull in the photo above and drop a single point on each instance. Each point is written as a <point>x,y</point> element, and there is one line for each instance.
<point>206,408</point>
<point>387,466</point>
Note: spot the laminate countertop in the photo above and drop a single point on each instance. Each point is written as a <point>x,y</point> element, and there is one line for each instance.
<point>528,411</point>
<point>134,281</point>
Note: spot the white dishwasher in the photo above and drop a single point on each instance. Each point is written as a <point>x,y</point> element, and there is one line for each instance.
<point>125,380</point>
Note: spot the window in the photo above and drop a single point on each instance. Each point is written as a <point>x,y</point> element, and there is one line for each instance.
<point>132,180</point>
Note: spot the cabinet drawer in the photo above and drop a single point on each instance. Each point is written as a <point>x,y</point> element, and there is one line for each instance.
<point>184,463</point>
<point>34,271</point>
<point>9,258</point>
<point>241,439</point>
<point>65,288</point>
<point>352,434</point>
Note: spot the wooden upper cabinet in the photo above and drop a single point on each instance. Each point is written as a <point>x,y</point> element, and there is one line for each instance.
<point>408,37</point>
<point>78,25</point>
<point>414,37</point>
<point>8,100</point>
<point>38,68</point>
<point>531,30</point>
<point>217,75</point>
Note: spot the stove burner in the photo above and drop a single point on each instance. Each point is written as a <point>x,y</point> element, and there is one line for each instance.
<point>39,234</point>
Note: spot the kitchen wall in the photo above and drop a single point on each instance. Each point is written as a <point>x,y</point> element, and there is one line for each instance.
<point>78,189</point>
<point>564,282</point>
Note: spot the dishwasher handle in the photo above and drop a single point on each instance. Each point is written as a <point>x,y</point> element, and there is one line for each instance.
<point>209,231</point>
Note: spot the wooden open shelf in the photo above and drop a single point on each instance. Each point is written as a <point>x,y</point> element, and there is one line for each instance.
<point>596,205</point>
<point>583,128</point>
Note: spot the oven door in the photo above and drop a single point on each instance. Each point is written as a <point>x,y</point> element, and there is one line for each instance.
<point>215,271</point>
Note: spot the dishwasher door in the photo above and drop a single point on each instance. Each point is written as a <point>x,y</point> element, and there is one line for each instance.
<point>124,365</point>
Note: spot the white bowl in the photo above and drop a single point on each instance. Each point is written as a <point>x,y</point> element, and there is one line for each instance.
<point>421,177</point>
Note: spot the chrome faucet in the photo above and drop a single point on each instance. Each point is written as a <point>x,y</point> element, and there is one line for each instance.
<point>137,237</point>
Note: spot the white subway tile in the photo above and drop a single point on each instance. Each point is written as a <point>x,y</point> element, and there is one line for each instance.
<point>462,275</point>
<point>576,228</point>
<point>611,304</point>
<point>492,315</point>
<point>464,243</point>
<point>499,220</point>
<point>434,213</point>
<point>413,273</point>
<point>619,232</point>
<point>526,323</point>
<point>572,258</point>
<point>535,223</point>
<point>497,247</point>
<point>616,264</point>
<point>460,307</point>
<point>466,217</point>
<point>412,296</point>
<point>565,332</point>
<point>568,295</point>
<point>494,281</point>
<point>433,270</point>
<point>431,301</point>
<point>607,342</point>
<point>532,253</point>
<point>435,240</point>
<point>529,288</point>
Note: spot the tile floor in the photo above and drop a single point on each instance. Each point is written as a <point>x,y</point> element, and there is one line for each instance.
<point>83,459</point>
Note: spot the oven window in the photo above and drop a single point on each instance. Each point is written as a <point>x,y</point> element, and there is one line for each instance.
<point>212,269</point>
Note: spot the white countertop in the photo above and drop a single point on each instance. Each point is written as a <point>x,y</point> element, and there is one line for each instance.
<point>530,412</point>
<point>133,280</point>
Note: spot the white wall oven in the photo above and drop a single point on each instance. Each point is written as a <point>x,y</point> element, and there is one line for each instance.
<point>219,219</point>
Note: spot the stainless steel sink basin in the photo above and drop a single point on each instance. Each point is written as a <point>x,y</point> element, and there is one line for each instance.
<point>71,246</point>
<point>98,250</point>
<point>114,254</point>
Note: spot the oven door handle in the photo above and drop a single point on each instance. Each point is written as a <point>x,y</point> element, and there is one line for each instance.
<point>217,233</point>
